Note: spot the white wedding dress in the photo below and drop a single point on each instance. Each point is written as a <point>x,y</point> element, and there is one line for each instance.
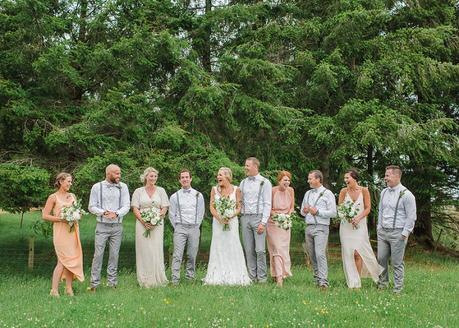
<point>226,260</point>
<point>357,240</point>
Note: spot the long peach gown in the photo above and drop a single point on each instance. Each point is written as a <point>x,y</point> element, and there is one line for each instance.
<point>67,244</point>
<point>278,238</point>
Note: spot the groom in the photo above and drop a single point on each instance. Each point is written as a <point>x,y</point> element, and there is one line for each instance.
<point>318,208</point>
<point>256,208</point>
<point>396,218</point>
<point>185,213</point>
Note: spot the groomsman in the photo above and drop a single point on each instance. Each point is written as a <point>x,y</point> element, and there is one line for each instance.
<point>256,208</point>
<point>318,208</point>
<point>396,218</point>
<point>110,202</point>
<point>185,213</point>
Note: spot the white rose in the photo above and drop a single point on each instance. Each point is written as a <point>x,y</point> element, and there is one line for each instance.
<point>76,216</point>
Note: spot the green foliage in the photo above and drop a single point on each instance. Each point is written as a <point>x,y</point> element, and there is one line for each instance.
<point>299,84</point>
<point>22,187</point>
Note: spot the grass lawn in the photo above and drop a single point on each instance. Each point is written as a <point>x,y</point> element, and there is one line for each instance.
<point>430,297</point>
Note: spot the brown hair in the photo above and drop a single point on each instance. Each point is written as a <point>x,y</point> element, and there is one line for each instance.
<point>254,160</point>
<point>60,177</point>
<point>354,174</point>
<point>317,175</point>
<point>184,171</point>
<point>282,174</point>
<point>395,168</point>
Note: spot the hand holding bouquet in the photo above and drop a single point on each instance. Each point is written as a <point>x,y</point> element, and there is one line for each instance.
<point>72,214</point>
<point>226,208</point>
<point>152,216</point>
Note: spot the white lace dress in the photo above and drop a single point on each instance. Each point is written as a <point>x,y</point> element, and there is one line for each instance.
<point>357,240</point>
<point>226,260</point>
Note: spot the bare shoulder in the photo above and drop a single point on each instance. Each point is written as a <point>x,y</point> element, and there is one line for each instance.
<point>343,190</point>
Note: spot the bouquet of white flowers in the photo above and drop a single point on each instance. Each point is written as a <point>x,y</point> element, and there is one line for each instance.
<point>346,212</point>
<point>283,221</point>
<point>226,208</point>
<point>151,215</point>
<point>72,214</point>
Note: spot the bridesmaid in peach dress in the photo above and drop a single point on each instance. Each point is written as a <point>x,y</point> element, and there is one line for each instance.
<point>283,201</point>
<point>66,244</point>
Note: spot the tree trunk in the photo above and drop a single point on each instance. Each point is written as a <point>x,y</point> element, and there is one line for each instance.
<point>83,16</point>
<point>423,228</point>
<point>22,219</point>
<point>370,170</point>
<point>325,168</point>
<point>31,253</point>
<point>206,55</point>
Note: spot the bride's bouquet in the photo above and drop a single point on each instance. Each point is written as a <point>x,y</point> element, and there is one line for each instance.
<point>346,212</point>
<point>151,215</point>
<point>225,208</point>
<point>72,214</point>
<point>283,221</point>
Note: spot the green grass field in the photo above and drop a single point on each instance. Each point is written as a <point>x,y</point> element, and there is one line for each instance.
<point>430,297</point>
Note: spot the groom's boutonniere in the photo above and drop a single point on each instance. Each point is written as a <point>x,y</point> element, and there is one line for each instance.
<point>321,194</point>
<point>262,183</point>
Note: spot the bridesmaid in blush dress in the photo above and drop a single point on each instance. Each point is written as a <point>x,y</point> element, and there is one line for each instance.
<point>358,257</point>
<point>283,201</point>
<point>66,243</point>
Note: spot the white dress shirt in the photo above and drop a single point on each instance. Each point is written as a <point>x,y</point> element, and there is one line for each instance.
<point>187,207</point>
<point>256,195</point>
<point>322,199</point>
<point>405,210</point>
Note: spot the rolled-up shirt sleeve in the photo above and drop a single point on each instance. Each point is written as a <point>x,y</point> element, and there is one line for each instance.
<point>125,201</point>
<point>410,211</point>
<point>330,210</point>
<point>267,195</point>
<point>303,204</point>
<point>201,207</point>
<point>94,206</point>
<point>173,209</point>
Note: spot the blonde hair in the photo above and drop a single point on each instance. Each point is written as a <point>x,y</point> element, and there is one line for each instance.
<point>148,170</point>
<point>227,173</point>
<point>60,177</point>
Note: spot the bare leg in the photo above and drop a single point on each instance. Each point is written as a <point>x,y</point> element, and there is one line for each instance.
<point>358,262</point>
<point>279,281</point>
<point>68,282</point>
<point>57,273</point>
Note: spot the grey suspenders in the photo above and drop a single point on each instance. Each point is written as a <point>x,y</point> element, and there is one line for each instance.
<point>262,183</point>
<point>315,203</point>
<point>180,212</point>
<point>119,200</point>
<point>396,205</point>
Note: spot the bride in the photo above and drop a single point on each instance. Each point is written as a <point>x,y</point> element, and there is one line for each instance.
<point>226,261</point>
<point>358,257</point>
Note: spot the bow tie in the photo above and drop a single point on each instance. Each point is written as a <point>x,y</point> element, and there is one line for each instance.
<point>391,190</point>
<point>251,178</point>
<point>113,185</point>
<point>187,191</point>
